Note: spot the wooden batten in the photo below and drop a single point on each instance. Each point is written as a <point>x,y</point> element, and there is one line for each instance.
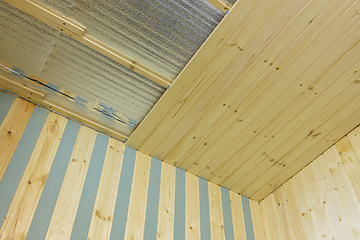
<point>216,213</point>
<point>192,210</point>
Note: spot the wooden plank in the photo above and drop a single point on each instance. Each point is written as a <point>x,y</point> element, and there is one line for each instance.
<point>305,208</point>
<point>271,220</point>
<point>18,219</point>
<point>192,209</point>
<point>238,217</point>
<point>348,198</point>
<point>101,221</point>
<point>63,217</point>
<point>354,137</point>
<point>139,192</point>
<point>13,86</point>
<point>11,130</point>
<point>220,5</point>
<point>281,208</point>
<point>6,75</point>
<point>332,200</point>
<point>350,161</point>
<point>165,223</point>
<point>66,26</point>
<point>216,213</point>
<point>292,209</point>
<point>258,221</point>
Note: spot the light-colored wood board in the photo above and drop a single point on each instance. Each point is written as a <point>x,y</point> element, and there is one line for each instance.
<point>318,205</point>
<point>331,199</point>
<point>102,217</point>
<point>216,213</point>
<point>238,217</point>
<point>11,130</point>
<point>350,161</point>
<point>135,223</point>
<point>293,211</point>
<point>258,221</point>
<point>192,207</point>
<point>200,72</point>
<point>165,225</point>
<point>63,217</point>
<point>297,159</point>
<point>220,5</point>
<point>271,219</point>
<point>354,137</point>
<point>21,212</point>
<point>65,110</point>
<point>315,113</point>
<point>276,106</point>
<point>343,186</point>
<point>228,82</point>
<point>282,210</point>
<point>307,214</point>
<point>77,32</point>
<point>233,112</point>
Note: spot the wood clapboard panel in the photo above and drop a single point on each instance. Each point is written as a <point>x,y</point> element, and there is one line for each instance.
<point>66,181</point>
<point>322,201</point>
<point>273,87</point>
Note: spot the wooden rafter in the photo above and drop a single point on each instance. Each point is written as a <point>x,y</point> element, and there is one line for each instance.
<point>78,33</point>
<point>222,6</point>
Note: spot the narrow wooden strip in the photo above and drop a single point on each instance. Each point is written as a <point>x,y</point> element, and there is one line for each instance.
<point>247,217</point>
<point>308,216</point>
<point>204,209</point>
<point>354,137</point>
<point>152,207</point>
<point>12,129</point>
<point>180,202</point>
<point>165,222</point>
<point>332,200</point>
<point>220,5</point>
<point>238,216</point>
<point>192,208</point>
<point>101,221</point>
<point>6,100</point>
<point>216,212</point>
<point>348,198</point>
<point>19,160</point>
<point>138,198</point>
<point>88,196</point>
<point>63,217</point>
<point>123,196</point>
<point>257,219</point>
<point>350,161</point>
<point>47,202</point>
<point>272,229</point>
<point>228,221</point>
<point>292,208</point>
<point>19,216</point>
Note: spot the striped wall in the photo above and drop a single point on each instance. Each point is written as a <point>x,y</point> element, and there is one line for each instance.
<point>62,180</point>
<point>320,202</point>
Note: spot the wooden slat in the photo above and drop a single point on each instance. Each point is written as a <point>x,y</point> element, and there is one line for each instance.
<point>216,213</point>
<point>11,130</point>
<point>295,219</point>
<point>192,208</point>
<point>348,198</point>
<point>258,220</point>
<point>331,197</point>
<point>238,217</point>
<point>220,5</point>
<point>270,218</point>
<point>77,32</point>
<point>165,224</point>
<point>67,203</point>
<point>101,220</point>
<point>354,138</point>
<point>139,191</point>
<point>281,208</point>
<point>20,214</point>
<point>13,85</point>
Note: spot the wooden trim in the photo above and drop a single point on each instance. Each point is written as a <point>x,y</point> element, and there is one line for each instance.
<point>192,207</point>
<point>78,33</point>
<point>238,216</point>
<point>19,87</point>
<point>216,212</point>
<point>222,6</point>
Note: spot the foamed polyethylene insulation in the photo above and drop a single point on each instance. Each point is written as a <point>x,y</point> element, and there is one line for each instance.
<point>96,81</point>
<point>161,34</point>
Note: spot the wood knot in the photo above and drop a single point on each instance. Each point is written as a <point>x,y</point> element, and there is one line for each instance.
<point>8,132</point>
<point>53,127</point>
<point>29,182</point>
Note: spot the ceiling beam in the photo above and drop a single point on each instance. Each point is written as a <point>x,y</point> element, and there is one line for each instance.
<point>78,33</point>
<point>222,6</point>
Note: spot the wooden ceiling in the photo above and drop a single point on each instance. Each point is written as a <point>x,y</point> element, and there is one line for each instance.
<point>274,86</point>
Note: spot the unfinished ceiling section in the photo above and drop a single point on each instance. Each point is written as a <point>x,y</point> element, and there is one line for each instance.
<point>77,62</point>
<point>275,85</point>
